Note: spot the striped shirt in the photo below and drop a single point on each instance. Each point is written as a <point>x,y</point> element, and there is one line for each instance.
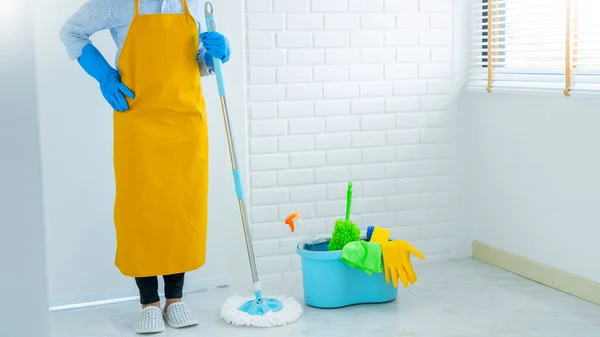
<point>116,16</point>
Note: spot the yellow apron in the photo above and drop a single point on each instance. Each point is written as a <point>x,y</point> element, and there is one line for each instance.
<point>161,149</point>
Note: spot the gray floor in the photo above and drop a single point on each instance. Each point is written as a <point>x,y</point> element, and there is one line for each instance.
<point>458,298</point>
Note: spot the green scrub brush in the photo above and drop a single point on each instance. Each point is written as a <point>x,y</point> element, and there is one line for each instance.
<point>345,231</point>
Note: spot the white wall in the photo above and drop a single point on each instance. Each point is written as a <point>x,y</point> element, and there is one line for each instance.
<point>535,177</point>
<point>76,137</point>
<point>23,277</point>
<point>460,47</point>
<point>350,90</point>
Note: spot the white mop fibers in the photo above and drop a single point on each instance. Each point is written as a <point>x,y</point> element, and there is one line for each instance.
<point>230,312</point>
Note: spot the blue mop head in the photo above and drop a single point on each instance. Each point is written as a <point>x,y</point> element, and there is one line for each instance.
<point>370,230</point>
<point>260,306</point>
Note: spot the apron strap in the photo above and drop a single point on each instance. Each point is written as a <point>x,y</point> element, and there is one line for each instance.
<point>186,10</point>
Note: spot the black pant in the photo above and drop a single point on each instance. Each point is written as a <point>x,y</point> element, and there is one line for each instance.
<point>148,287</point>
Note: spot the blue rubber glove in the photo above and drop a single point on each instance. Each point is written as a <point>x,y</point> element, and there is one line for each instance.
<point>92,61</point>
<point>217,46</point>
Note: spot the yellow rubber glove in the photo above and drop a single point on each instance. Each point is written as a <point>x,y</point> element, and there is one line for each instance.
<point>405,250</point>
<point>396,262</point>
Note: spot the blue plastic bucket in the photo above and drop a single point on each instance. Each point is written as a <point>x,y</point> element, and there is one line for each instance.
<point>330,283</point>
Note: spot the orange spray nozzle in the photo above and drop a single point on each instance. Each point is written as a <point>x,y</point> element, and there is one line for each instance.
<point>290,220</point>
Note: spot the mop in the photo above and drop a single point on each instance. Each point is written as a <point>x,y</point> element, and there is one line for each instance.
<point>255,311</point>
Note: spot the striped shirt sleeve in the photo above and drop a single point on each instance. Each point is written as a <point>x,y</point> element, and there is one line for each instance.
<point>92,17</point>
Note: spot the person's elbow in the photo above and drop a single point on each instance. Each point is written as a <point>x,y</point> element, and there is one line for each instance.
<point>65,32</point>
<point>66,36</point>
<point>72,40</point>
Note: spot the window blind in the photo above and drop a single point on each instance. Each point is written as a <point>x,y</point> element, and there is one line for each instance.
<point>585,47</point>
<point>535,46</point>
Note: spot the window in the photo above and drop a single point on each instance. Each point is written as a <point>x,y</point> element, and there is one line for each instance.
<point>549,46</point>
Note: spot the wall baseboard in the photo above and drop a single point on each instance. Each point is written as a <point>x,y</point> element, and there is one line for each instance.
<point>130,294</point>
<point>555,278</point>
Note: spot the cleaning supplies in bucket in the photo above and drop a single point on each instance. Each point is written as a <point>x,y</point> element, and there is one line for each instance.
<point>327,282</point>
<point>345,231</point>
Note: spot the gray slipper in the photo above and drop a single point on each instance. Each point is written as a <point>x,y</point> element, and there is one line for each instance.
<point>179,315</point>
<point>150,320</point>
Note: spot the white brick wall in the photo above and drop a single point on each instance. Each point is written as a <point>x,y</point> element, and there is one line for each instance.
<point>343,90</point>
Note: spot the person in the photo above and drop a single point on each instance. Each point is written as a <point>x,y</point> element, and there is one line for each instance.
<point>160,139</point>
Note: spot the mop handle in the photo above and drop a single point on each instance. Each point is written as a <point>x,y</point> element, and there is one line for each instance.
<point>237,177</point>
<point>211,25</point>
